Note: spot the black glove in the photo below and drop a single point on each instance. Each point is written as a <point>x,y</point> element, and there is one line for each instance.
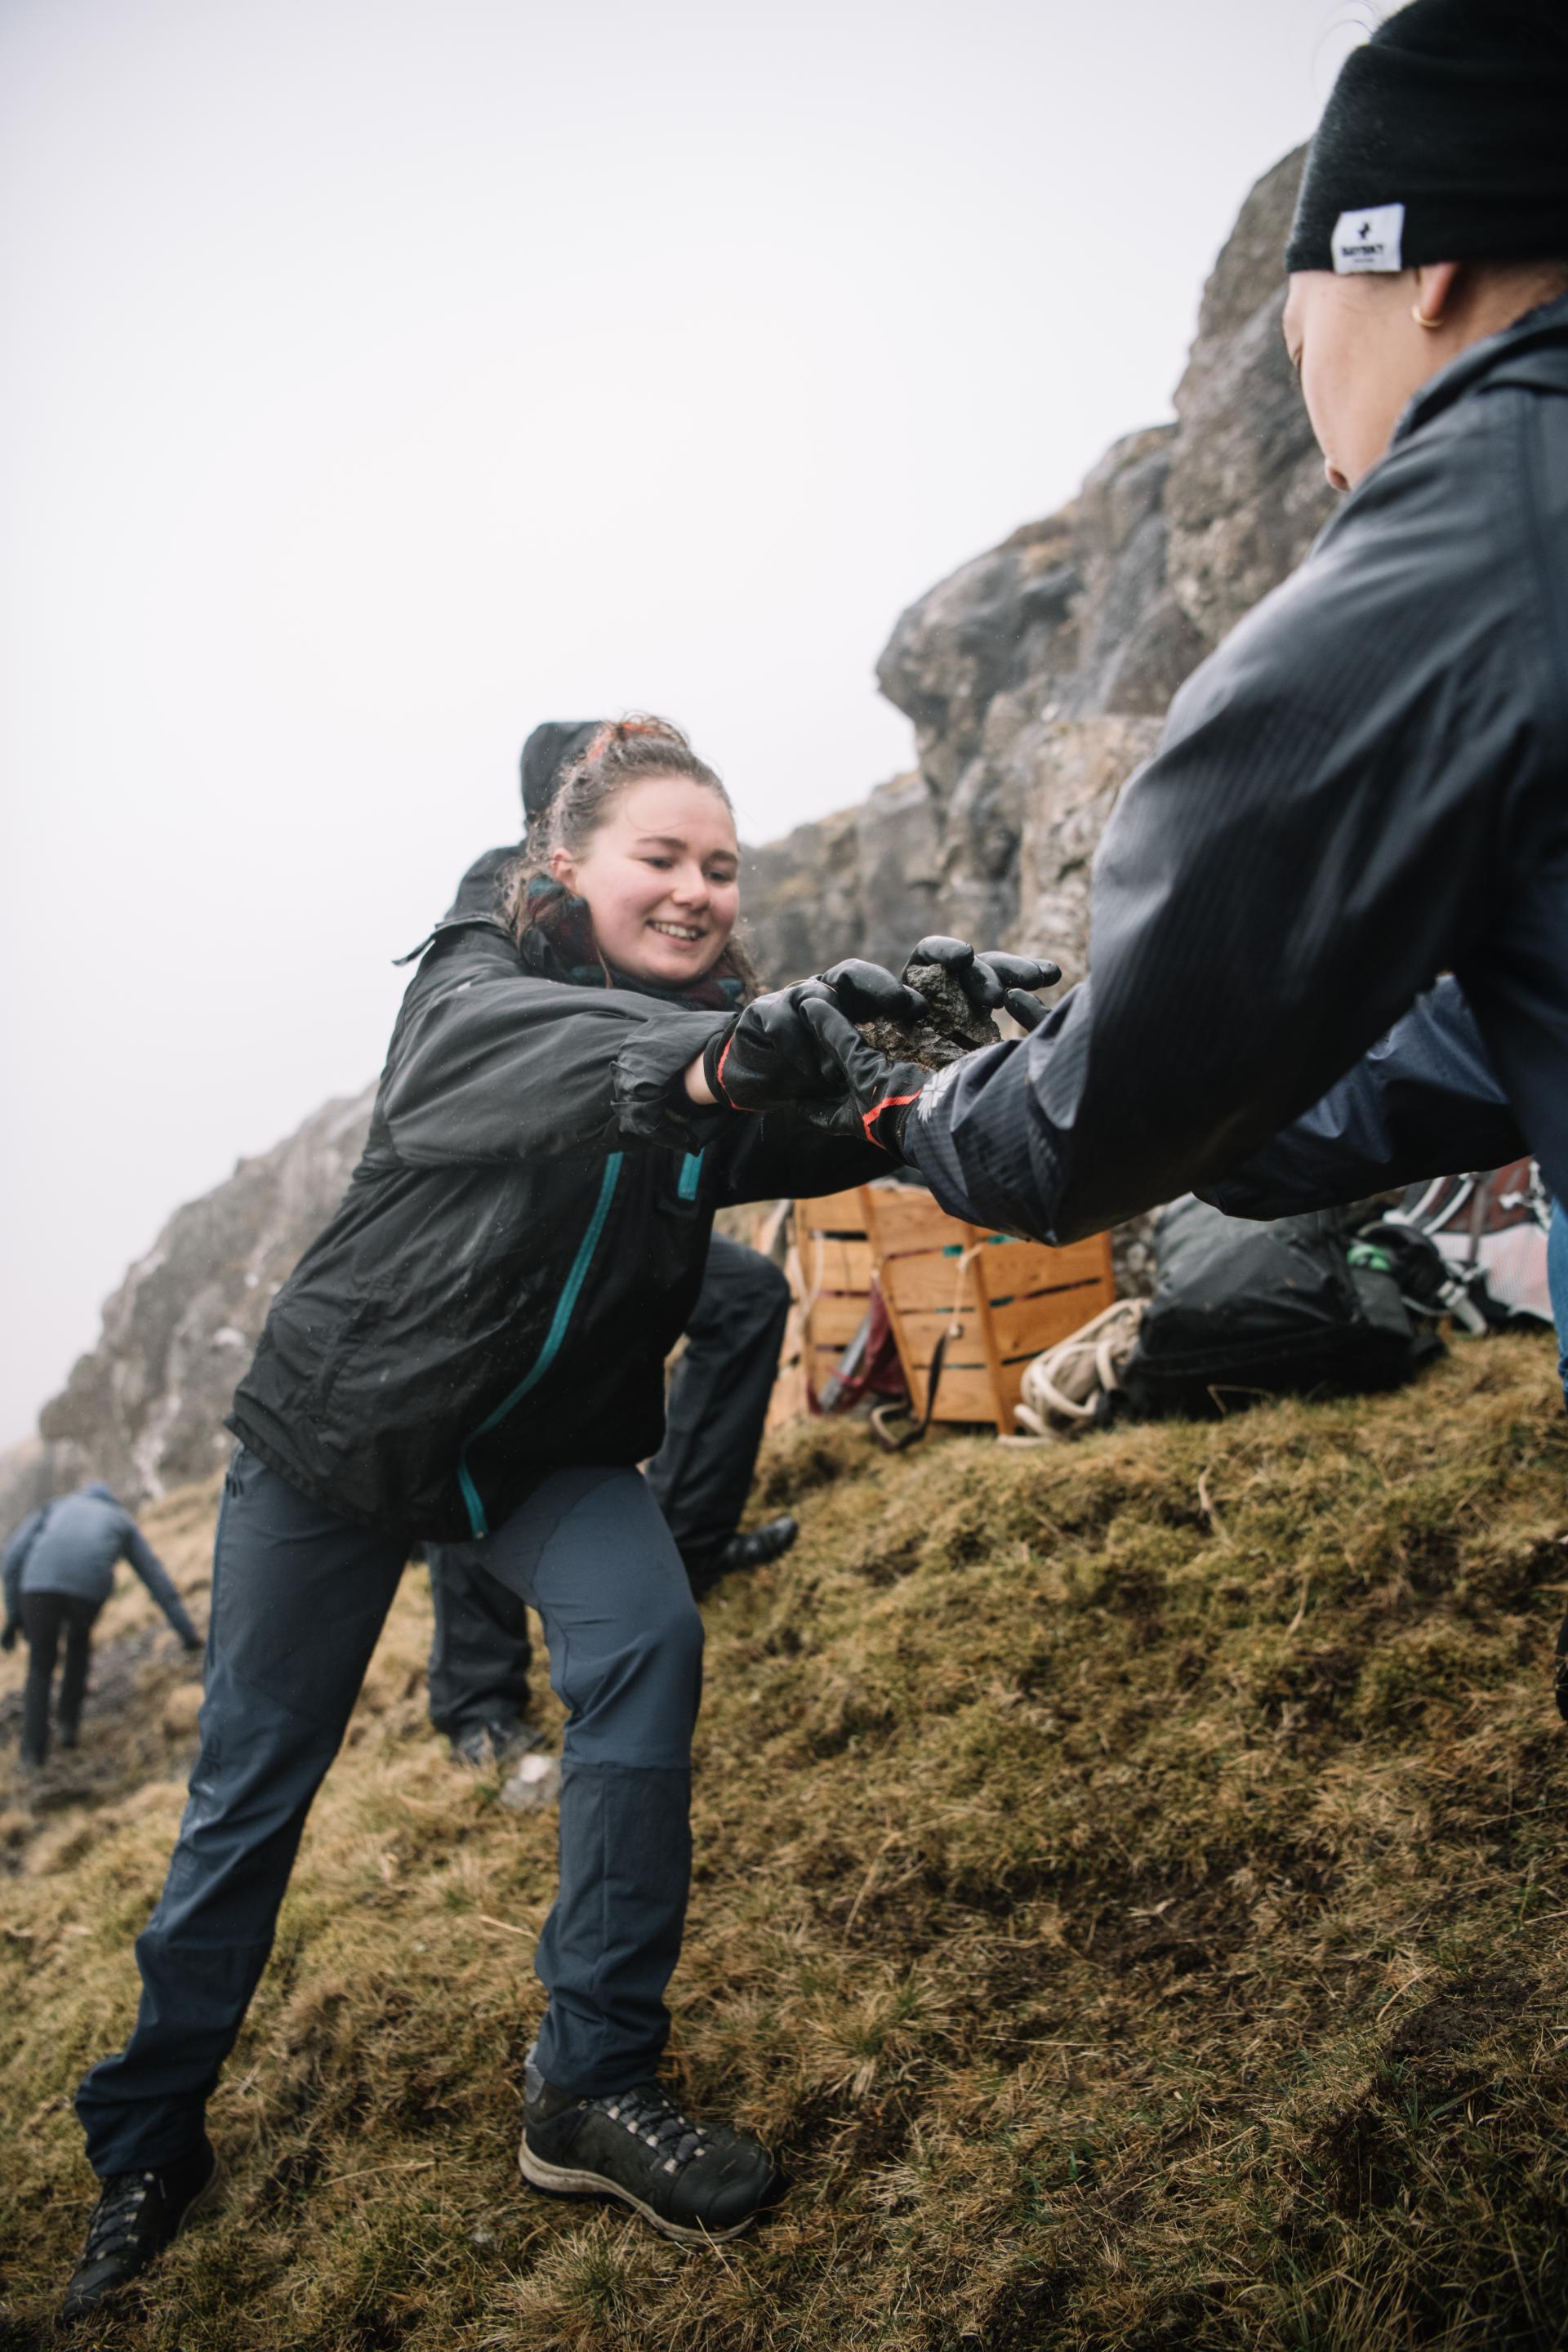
<point>191,1646</point>
<point>872,1096</point>
<point>867,992</point>
<point>9,1638</point>
<point>768,1055</point>
<point>991,979</point>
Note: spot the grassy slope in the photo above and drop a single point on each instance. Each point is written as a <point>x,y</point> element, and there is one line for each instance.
<point>1131,1894</point>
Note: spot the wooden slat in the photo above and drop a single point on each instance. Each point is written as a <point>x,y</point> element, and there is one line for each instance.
<point>835,1213</point>
<point>1015,1270</point>
<point>837,1316</point>
<point>902,1217</point>
<point>1026,1326</point>
<point>837,1266</point>
<point>963,1395</point>
<point>1012,1269</point>
<point>787,1402</point>
<point>927,1281</point>
<point>922,1332</point>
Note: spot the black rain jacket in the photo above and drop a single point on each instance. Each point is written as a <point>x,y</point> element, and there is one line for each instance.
<point>1365,787</point>
<point>520,1247</point>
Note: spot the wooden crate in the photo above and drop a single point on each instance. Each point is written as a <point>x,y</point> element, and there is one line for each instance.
<point>832,1280</point>
<point>1001,1300</point>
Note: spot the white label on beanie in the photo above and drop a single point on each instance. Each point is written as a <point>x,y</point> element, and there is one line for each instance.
<point>1369,240</point>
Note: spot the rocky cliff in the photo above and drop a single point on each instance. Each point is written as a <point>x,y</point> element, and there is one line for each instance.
<point>1035,678</point>
<point>145,1409</point>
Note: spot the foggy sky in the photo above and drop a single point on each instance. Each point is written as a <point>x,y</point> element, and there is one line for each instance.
<point>384,375</point>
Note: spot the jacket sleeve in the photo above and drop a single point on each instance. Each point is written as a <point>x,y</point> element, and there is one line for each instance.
<point>17,1551</point>
<point>135,1547</point>
<point>780,1155</point>
<point>1316,841</point>
<point>488,1062</point>
<point>1425,1102</point>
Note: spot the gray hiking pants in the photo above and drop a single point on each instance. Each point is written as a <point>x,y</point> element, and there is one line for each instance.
<point>299,1600</point>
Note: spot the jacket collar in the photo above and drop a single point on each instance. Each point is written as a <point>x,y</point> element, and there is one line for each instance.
<point>1543,331</point>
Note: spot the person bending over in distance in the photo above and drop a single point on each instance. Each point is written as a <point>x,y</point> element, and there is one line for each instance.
<point>1366,787</point>
<point>473,1351</point>
<point>59,1572</point>
<point>715,1411</point>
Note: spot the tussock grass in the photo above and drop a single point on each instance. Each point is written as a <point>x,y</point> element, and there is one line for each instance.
<point>1130,1895</point>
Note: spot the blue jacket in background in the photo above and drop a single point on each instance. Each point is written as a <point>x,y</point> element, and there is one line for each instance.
<point>1426,1101</point>
<point>71,1546</point>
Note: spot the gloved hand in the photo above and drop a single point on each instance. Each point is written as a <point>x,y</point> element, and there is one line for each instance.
<point>193,1646</point>
<point>867,992</point>
<point>768,1055</point>
<point>871,1096</point>
<point>991,979</point>
<point>9,1638</point>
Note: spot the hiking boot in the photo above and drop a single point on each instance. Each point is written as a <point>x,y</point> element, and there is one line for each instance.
<point>479,1745</point>
<point>67,1735</point>
<point>697,2183</point>
<point>137,2215</point>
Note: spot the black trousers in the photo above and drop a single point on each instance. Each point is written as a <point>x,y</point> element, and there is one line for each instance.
<point>700,1478</point>
<point>45,1616</point>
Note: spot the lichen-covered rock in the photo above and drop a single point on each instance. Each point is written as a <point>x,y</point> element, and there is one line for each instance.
<point>949,1027</point>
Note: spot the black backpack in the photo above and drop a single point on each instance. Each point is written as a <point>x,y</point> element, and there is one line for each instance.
<point>1244,1309</point>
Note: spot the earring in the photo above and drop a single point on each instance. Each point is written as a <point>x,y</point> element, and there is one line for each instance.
<point>1419,315</point>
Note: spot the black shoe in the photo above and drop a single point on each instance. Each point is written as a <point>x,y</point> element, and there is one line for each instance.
<point>138,2214</point>
<point>67,1735</point>
<point>768,1542</point>
<point>696,2183</point>
<point>755,1550</point>
<point>479,1745</point>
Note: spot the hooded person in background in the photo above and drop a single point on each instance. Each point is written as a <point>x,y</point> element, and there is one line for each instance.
<point>59,1572</point>
<point>717,1405</point>
<point>1366,787</point>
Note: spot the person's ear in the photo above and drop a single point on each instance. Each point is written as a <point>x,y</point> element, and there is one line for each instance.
<point>563,868</point>
<point>1434,283</point>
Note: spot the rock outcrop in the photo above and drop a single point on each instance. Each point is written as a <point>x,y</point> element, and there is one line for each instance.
<point>1037,677</point>
<point>145,1409</point>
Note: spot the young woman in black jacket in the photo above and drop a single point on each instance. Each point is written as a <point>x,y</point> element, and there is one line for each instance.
<point>474,1349</point>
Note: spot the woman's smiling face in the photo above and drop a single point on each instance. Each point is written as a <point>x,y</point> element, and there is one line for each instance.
<point>661,879</point>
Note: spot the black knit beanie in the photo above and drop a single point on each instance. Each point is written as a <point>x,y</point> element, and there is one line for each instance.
<point>1445,139</point>
<point>544,755</point>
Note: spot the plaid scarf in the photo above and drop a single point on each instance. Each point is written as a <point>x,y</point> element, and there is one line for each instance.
<point>558,942</point>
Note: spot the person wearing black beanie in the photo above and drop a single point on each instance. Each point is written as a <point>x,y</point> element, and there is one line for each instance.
<point>1433,210</point>
<point>1329,922</point>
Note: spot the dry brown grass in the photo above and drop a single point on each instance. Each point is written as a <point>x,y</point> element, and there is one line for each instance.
<point>1130,1893</point>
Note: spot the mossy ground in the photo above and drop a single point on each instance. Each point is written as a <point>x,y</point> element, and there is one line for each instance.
<point>1131,1896</point>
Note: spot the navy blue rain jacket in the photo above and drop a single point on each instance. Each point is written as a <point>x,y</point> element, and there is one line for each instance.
<point>1364,788</point>
<point>71,1546</point>
<point>1425,1102</point>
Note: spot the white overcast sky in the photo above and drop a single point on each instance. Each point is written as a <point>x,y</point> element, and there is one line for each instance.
<point>381,376</point>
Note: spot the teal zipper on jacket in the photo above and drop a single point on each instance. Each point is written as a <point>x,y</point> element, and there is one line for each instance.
<point>560,1323</point>
<point>690,1176</point>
